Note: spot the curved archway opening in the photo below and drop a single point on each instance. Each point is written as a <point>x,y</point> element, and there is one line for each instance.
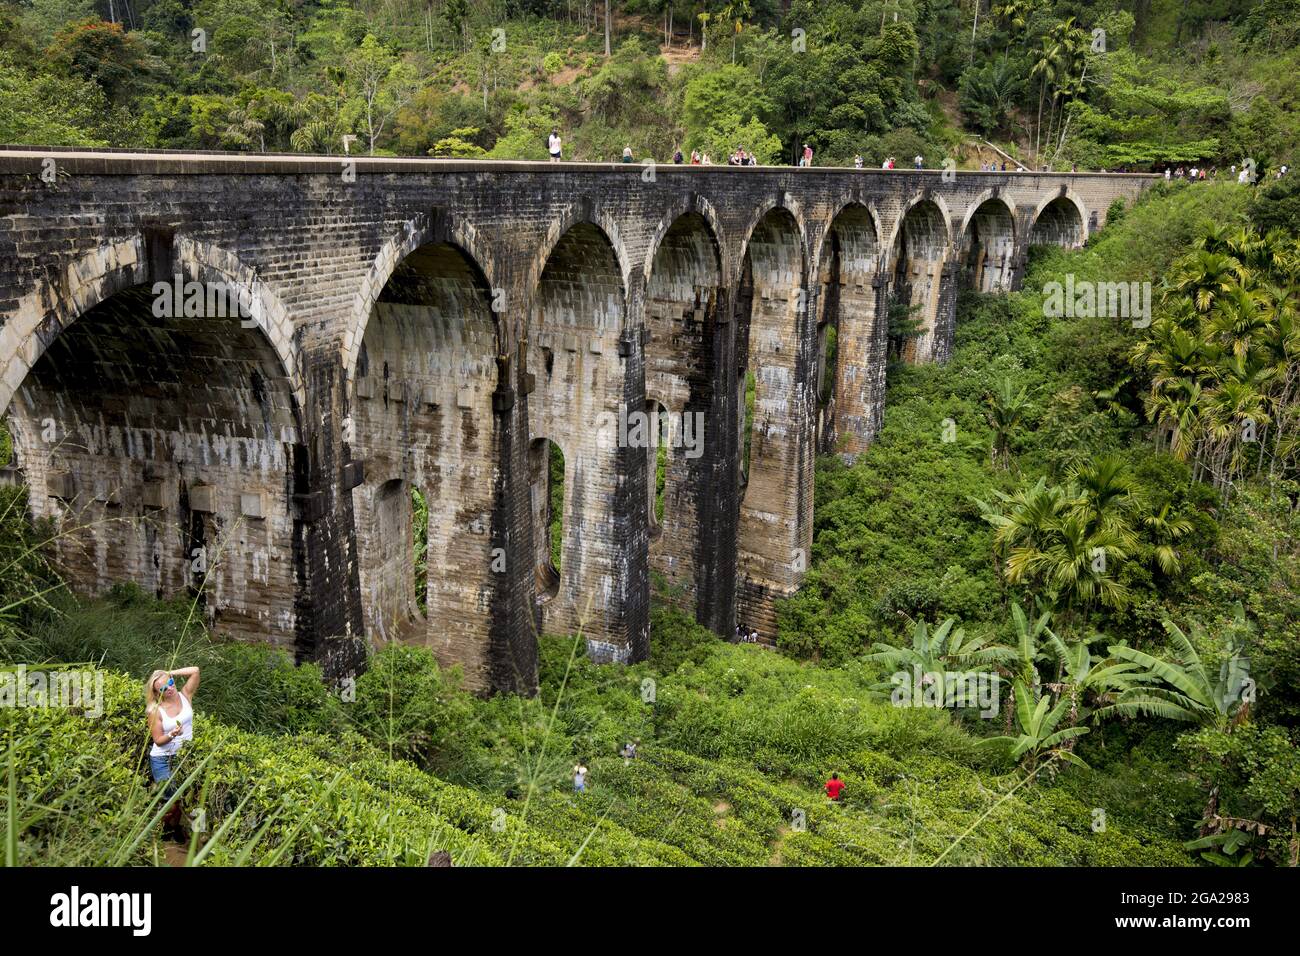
<point>422,415</point>
<point>159,432</point>
<point>777,338</point>
<point>546,480</point>
<point>578,355</point>
<point>1059,224</point>
<point>919,256</point>
<point>850,334</point>
<point>988,248</point>
<point>394,572</point>
<point>685,298</point>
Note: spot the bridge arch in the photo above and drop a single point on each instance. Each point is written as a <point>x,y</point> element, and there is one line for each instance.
<point>576,214</point>
<point>684,206</point>
<point>988,243</point>
<point>422,230</point>
<point>158,421</point>
<point>422,412</point>
<point>850,376</point>
<point>117,266</point>
<point>686,305</point>
<point>586,376</point>
<point>776,402</point>
<point>793,208</point>
<point>918,266</point>
<point>1059,220</point>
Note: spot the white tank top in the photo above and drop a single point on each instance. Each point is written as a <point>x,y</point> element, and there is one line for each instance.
<point>185,719</point>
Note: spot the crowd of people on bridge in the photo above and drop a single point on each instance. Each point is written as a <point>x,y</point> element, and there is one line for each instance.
<point>743,156</point>
<point>1244,174</point>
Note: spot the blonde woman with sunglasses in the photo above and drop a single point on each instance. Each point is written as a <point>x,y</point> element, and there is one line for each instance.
<point>171,723</point>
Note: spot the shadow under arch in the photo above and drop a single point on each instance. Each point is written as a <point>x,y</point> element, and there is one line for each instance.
<point>687,383</point>
<point>1061,220</point>
<point>159,425</point>
<point>775,391</point>
<point>426,229</point>
<point>918,252</point>
<point>988,244</point>
<point>584,368</point>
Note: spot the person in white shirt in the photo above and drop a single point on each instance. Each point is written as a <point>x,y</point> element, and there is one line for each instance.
<point>553,145</point>
<point>171,724</point>
<point>579,778</point>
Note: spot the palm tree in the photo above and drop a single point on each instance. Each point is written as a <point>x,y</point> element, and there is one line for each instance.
<point>1007,410</point>
<point>1108,494</point>
<point>1056,541</point>
<point>1164,530</point>
<point>1046,69</point>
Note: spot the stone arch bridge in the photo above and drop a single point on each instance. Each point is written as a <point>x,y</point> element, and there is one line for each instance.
<point>470,330</point>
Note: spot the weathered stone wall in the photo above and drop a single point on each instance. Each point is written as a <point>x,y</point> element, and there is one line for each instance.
<point>775,530</point>
<point>684,295</point>
<point>568,259</point>
<point>853,303</point>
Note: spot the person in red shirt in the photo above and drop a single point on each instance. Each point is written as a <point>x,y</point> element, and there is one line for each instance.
<point>834,786</point>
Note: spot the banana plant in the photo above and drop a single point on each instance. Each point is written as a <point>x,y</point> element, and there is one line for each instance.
<point>945,650</point>
<point>1084,676</point>
<point>1038,738</point>
<point>1191,693</point>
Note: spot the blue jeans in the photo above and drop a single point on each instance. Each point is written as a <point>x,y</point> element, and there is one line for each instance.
<point>161,768</point>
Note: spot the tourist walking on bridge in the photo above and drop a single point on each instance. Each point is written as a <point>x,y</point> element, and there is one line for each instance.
<point>553,146</point>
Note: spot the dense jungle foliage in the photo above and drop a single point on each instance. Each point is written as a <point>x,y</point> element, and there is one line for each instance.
<point>1097,83</point>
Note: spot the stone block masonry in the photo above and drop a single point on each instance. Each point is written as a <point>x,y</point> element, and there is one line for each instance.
<point>434,326</point>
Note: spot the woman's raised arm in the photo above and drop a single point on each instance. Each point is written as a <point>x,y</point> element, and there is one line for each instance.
<point>191,674</point>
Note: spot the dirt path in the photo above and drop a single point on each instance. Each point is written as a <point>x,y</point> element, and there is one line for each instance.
<point>175,853</point>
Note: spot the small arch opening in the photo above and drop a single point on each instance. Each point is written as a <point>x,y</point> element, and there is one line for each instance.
<point>547,474</point>
<point>1059,224</point>
<point>988,248</point>
<point>659,435</point>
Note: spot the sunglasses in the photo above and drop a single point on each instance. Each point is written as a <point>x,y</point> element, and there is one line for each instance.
<point>171,682</point>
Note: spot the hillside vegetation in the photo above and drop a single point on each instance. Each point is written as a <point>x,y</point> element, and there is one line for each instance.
<point>1100,84</point>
